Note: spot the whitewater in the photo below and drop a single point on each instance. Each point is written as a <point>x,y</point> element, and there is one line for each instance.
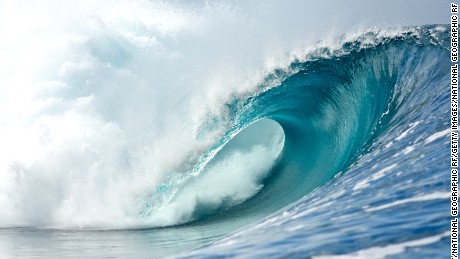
<point>201,129</point>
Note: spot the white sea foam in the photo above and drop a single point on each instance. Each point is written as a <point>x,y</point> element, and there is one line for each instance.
<point>437,135</point>
<point>392,249</point>
<point>426,197</point>
<point>366,182</point>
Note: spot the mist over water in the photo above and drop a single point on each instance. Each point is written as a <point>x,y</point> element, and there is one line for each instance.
<point>101,102</point>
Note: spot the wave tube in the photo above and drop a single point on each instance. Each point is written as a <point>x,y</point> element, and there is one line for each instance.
<point>330,111</point>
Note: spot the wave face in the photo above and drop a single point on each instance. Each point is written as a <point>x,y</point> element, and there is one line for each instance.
<point>373,113</point>
<point>331,109</point>
<point>118,123</point>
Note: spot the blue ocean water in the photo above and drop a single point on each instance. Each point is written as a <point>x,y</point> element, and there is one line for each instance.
<point>140,129</point>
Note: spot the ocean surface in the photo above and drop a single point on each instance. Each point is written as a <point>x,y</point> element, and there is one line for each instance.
<point>130,143</point>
